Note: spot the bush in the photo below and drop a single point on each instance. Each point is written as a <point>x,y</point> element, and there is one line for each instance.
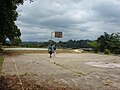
<point>117,51</point>
<point>107,51</point>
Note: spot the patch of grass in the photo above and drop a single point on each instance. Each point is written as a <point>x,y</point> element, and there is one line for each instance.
<point>29,74</point>
<point>79,74</point>
<point>107,51</point>
<point>65,51</point>
<point>18,52</point>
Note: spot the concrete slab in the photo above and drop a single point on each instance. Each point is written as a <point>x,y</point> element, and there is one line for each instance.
<point>69,69</point>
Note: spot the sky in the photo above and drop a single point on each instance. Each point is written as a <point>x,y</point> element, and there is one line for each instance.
<point>77,19</point>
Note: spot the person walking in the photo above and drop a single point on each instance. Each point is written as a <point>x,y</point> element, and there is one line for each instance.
<point>50,50</point>
<point>54,48</point>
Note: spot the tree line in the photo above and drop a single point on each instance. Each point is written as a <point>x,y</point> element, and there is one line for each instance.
<point>8,16</point>
<point>68,44</point>
<point>106,43</point>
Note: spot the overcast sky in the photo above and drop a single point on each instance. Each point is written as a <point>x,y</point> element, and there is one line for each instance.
<point>77,19</point>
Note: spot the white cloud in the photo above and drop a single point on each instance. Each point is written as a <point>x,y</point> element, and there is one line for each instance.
<point>77,19</point>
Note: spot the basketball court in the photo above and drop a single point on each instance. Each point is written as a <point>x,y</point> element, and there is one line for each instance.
<point>84,71</point>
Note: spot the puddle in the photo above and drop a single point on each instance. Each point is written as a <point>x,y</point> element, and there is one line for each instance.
<point>104,65</point>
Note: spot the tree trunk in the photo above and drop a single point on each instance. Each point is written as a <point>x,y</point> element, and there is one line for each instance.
<point>0,47</point>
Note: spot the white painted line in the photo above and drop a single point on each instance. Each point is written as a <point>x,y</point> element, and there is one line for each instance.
<point>18,74</point>
<point>64,81</point>
<point>74,82</point>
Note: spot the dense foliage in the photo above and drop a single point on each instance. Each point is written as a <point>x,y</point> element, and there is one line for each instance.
<point>75,44</point>
<point>8,16</point>
<point>107,42</point>
<point>31,44</point>
<point>68,44</point>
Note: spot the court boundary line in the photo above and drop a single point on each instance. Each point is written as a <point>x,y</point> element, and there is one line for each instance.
<point>18,75</point>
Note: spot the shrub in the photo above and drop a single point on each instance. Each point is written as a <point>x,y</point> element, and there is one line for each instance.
<point>107,51</point>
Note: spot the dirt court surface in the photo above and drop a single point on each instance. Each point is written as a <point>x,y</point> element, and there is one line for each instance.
<point>83,71</point>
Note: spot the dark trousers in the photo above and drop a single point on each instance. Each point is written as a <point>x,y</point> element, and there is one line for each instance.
<point>50,53</point>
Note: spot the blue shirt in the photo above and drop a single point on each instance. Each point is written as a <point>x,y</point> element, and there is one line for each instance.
<point>50,48</point>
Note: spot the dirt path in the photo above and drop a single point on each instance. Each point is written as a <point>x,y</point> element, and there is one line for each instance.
<point>78,71</point>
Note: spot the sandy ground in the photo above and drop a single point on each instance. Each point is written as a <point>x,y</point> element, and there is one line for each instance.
<point>83,71</point>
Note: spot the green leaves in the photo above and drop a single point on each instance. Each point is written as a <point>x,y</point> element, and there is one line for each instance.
<point>8,15</point>
<point>95,46</point>
<point>110,42</point>
<point>107,43</point>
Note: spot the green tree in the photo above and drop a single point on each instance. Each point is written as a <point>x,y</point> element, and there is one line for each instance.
<point>115,44</point>
<point>17,41</point>
<point>104,41</point>
<point>94,45</point>
<point>8,16</point>
<point>109,41</point>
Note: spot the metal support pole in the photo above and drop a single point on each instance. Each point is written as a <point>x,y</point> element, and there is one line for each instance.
<point>51,38</point>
